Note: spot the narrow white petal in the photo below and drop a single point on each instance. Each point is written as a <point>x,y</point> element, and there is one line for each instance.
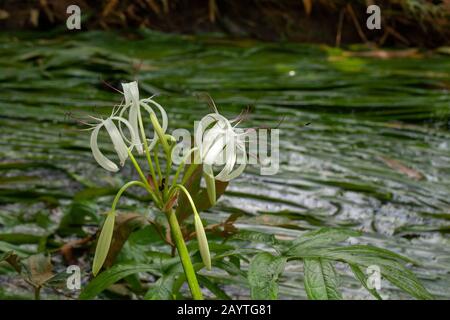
<point>241,158</point>
<point>98,156</point>
<point>201,131</point>
<point>211,156</point>
<point>132,143</point>
<point>131,94</point>
<point>210,137</point>
<point>117,140</point>
<point>230,160</point>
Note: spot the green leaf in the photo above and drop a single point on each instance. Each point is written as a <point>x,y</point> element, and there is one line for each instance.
<point>104,241</point>
<point>162,288</point>
<point>111,276</point>
<point>359,274</point>
<point>321,280</point>
<point>213,287</point>
<point>320,238</point>
<point>263,275</point>
<point>254,236</point>
<point>13,259</point>
<point>390,264</point>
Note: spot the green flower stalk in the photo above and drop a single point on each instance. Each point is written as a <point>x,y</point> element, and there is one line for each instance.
<point>124,146</point>
<point>215,145</point>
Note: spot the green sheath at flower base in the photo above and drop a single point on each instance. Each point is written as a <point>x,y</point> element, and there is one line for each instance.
<point>202,241</point>
<point>208,175</point>
<point>104,242</point>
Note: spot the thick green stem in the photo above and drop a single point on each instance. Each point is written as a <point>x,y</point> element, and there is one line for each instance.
<point>189,270</point>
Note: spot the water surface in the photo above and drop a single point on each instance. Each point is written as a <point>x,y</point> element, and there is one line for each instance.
<point>375,155</point>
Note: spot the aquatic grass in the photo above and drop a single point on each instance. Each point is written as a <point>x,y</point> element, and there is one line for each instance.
<point>355,117</point>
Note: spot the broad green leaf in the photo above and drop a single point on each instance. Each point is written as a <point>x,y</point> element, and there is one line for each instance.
<point>111,276</point>
<point>390,264</point>
<point>321,280</point>
<point>359,274</point>
<point>104,241</point>
<point>263,275</point>
<point>349,253</point>
<point>162,289</point>
<point>320,238</point>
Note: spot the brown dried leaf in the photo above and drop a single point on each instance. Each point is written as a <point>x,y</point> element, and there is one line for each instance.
<point>400,167</point>
<point>124,225</point>
<point>37,269</point>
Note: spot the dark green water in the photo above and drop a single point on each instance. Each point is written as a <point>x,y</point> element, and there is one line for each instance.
<point>375,156</point>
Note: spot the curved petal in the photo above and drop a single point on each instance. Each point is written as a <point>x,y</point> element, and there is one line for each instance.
<point>117,140</point>
<point>211,135</point>
<point>131,94</point>
<point>132,143</point>
<point>230,160</point>
<point>241,158</point>
<point>165,119</point>
<point>119,145</point>
<point>203,135</point>
<point>98,156</point>
<point>211,156</point>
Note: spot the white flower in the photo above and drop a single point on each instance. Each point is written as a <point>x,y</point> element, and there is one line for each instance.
<point>220,144</point>
<point>117,140</point>
<point>133,105</point>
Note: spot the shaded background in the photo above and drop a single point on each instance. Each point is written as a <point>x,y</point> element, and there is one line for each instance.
<point>405,22</point>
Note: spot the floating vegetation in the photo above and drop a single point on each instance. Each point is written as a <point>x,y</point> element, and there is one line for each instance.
<point>370,171</point>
